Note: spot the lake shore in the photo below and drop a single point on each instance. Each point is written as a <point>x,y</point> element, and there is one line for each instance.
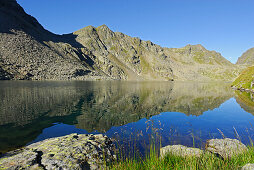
<point>82,151</point>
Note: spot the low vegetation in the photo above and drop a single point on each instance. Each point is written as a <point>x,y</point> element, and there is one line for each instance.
<point>245,79</point>
<point>206,161</point>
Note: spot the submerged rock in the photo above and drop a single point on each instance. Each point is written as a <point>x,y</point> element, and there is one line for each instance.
<point>73,151</point>
<point>225,148</point>
<point>180,150</point>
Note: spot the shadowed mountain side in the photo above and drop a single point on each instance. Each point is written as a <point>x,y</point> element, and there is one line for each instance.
<point>28,51</point>
<point>119,105</point>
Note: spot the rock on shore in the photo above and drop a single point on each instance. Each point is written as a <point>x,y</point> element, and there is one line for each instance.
<point>73,151</point>
<point>224,148</point>
<point>180,150</point>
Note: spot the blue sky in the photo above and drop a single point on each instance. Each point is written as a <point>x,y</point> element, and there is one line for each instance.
<point>226,26</point>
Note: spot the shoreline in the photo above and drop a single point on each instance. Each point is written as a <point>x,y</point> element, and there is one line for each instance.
<point>82,151</point>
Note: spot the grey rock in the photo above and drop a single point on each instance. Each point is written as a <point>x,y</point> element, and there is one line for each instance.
<point>180,150</point>
<point>248,167</point>
<point>225,148</point>
<point>73,151</point>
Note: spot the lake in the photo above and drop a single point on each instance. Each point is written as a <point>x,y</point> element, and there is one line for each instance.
<point>135,114</point>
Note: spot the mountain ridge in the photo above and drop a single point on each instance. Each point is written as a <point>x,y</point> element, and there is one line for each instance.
<point>30,52</point>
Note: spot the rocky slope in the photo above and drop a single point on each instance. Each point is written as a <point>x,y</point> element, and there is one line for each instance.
<point>245,80</point>
<point>28,51</point>
<point>247,58</point>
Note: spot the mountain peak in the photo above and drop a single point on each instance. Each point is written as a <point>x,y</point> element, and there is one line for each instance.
<point>196,47</point>
<point>86,29</point>
<point>105,27</point>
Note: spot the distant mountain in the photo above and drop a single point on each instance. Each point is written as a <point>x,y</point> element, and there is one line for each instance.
<point>247,58</point>
<point>28,51</point>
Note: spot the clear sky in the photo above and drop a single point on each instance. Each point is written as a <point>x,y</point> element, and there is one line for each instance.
<point>226,26</point>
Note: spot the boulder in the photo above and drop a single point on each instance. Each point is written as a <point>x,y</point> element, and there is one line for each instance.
<point>225,148</point>
<point>180,150</point>
<point>75,151</point>
<point>248,167</point>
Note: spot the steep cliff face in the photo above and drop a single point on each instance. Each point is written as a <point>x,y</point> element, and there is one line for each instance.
<point>28,51</point>
<point>247,58</point>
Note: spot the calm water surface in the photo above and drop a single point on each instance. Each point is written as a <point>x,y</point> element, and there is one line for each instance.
<point>134,113</point>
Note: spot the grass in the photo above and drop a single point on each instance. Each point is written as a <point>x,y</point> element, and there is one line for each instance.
<point>245,79</point>
<point>206,161</point>
<point>152,161</point>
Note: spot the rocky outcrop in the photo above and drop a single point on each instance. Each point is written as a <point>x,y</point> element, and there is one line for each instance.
<point>225,148</point>
<point>73,151</point>
<point>247,58</point>
<point>180,150</point>
<point>248,167</point>
<point>29,52</point>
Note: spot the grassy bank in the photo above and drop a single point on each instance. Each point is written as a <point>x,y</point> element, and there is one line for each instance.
<point>245,79</point>
<point>206,161</point>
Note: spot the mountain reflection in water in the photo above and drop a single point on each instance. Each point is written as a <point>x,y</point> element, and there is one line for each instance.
<point>33,111</point>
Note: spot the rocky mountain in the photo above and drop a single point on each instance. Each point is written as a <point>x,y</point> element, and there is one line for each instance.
<point>247,58</point>
<point>28,51</point>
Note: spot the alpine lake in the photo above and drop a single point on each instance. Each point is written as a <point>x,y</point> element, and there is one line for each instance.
<point>134,114</point>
